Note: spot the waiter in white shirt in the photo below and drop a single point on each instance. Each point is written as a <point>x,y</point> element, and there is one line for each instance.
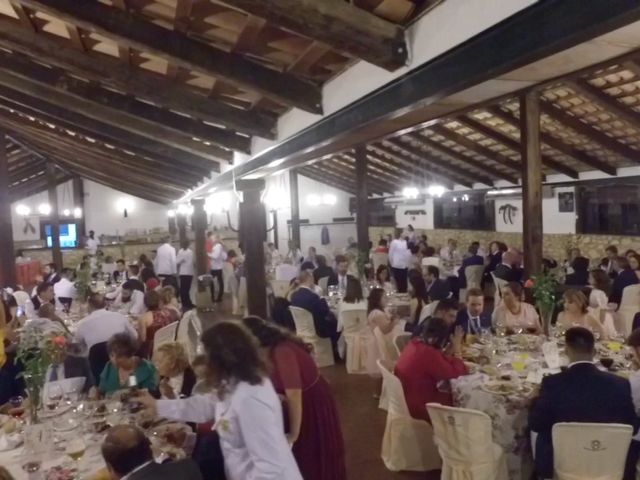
<point>92,244</point>
<point>165,261</point>
<point>65,290</point>
<point>217,258</point>
<point>399,258</point>
<point>184,261</point>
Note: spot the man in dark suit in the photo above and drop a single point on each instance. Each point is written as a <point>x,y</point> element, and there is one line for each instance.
<point>445,309</point>
<point>127,453</point>
<point>507,271</point>
<point>69,366</point>
<point>51,274</point>
<point>473,318</point>
<point>323,270</point>
<point>437,289</point>
<point>581,393</point>
<point>472,259</point>
<point>323,319</point>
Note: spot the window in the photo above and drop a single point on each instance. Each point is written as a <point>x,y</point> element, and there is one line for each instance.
<point>613,208</point>
<point>466,211</point>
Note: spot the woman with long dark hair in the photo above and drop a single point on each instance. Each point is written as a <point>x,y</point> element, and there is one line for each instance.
<point>314,427</point>
<point>419,294</point>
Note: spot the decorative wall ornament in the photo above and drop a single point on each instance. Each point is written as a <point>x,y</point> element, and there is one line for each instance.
<point>508,212</point>
<point>566,202</point>
<point>415,213</point>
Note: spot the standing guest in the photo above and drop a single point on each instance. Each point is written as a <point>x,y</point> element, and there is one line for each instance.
<point>600,288</point>
<point>383,246</point>
<point>184,262</point>
<point>65,290</point>
<point>419,295</point>
<point>624,277</point>
<point>286,271</point>
<point>44,294</point>
<point>412,238</point>
<point>437,289</point>
<point>399,256</point>
<point>576,314</point>
<point>634,263</point>
<point>324,270</point>
<point>217,258</point>
<point>580,272</point>
<point>507,270</point>
<point>92,244</point>
<point>581,393</point>
<point>470,260</point>
<point>166,260</point>
<point>342,269</point>
<point>380,319</point>
<point>123,363</point>
<point>51,274</point>
<point>472,318</point>
<point>120,273</point>
<point>513,313</point>
<point>245,407</point>
<point>493,259</point>
<point>130,299</point>
<point>151,321</point>
<point>313,425</point>
<point>273,254</point>
<point>128,456</point>
<point>427,363</point>
<point>312,256</point>
<point>100,325</point>
<point>608,263</point>
<point>177,378</point>
<point>323,319</point>
<point>383,278</point>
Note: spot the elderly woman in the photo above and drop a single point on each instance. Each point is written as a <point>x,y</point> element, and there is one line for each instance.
<point>576,314</point>
<point>123,363</point>
<point>177,379</point>
<point>152,320</point>
<point>514,314</point>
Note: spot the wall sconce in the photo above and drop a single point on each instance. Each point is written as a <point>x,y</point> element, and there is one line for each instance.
<point>77,212</point>
<point>44,209</point>
<point>124,205</point>
<point>171,213</point>
<point>436,190</point>
<point>410,192</point>
<point>23,210</point>
<point>314,200</point>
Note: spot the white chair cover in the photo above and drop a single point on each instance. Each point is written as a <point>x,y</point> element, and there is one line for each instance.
<point>431,261</point>
<point>499,283</point>
<point>280,288</point>
<point>240,301</point>
<point>227,274</point>
<point>407,443</point>
<point>165,335</point>
<point>188,333</point>
<point>629,306</point>
<point>428,310</point>
<point>355,332</point>
<point>606,319</point>
<point>378,259</point>
<point>323,283</point>
<point>21,297</point>
<point>590,451</point>
<point>473,274</point>
<point>400,341</point>
<point>465,444</point>
<point>386,349</point>
<point>322,349</point>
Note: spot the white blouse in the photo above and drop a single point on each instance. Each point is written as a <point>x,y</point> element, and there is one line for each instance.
<point>251,428</point>
<point>598,299</point>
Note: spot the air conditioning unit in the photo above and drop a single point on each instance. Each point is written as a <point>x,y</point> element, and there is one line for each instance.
<point>396,201</point>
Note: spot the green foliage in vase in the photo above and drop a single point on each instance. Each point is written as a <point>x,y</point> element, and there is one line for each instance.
<point>544,292</point>
<point>83,284</point>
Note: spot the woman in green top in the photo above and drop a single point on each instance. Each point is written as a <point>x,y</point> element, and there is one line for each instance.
<point>123,362</point>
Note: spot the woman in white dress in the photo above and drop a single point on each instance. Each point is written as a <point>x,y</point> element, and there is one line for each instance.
<point>246,409</point>
<point>600,288</point>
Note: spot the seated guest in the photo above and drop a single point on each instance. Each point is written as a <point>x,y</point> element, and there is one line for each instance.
<point>353,298</point>
<point>383,246</point>
<point>428,362</point>
<point>152,320</point>
<point>148,276</point>
<point>323,270</point>
<point>310,266</point>
<point>177,379</point>
<point>625,277</point>
<point>130,300</point>
<point>437,289</point>
<point>472,319</point>
<point>11,382</point>
<point>419,295</point>
<point>48,320</point>
<point>608,263</point>
<point>169,300</point>
<point>100,325</point>
<point>576,314</point>
<point>66,366</point>
<point>311,257</point>
<point>600,287</point>
<point>127,453</point>
<point>286,271</point>
<point>383,278</point>
<point>470,260</point>
<point>634,263</point>
<point>634,379</point>
<point>380,319</point>
<point>134,277</point>
<point>120,273</point>
<point>342,272</point>
<point>580,275</point>
<point>429,257</point>
<point>450,252</point>
<point>507,270</point>
<point>123,363</point>
<point>108,266</point>
<point>305,297</point>
<point>582,393</point>
<point>64,289</point>
<point>44,294</point>
<point>446,309</point>
<point>513,313</point>
<point>50,274</point>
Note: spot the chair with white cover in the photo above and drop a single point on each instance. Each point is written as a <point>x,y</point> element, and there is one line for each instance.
<point>590,451</point>
<point>473,275</point>
<point>388,354</point>
<point>323,283</point>
<point>227,274</point>
<point>165,335</point>
<point>188,333</point>
<point>407,443</point>
<point>280,288</point>
<point>499,284</point>
<point>466,445</point>
<point>400,341</point>
<point>428,310</point>
<point>355,332</point>
<point>21,297</point>
<point>431,261</point>
<point>240,300</point>
<point>629,306</point>
<point>306,330</point>
<point>378,259</point>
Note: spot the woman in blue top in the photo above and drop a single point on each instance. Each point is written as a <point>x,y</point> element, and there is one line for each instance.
<point>123,362</point>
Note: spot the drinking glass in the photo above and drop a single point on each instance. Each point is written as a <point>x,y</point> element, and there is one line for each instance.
<point>75,449</point>
<point>54,396</point>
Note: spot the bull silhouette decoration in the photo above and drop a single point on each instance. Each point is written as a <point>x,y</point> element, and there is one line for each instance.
<point>508,212</point>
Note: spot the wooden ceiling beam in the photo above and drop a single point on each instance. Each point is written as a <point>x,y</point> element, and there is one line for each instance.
<point>141,83</point>
<point>26,170</point>
<point>338,170</point>
<point>593,134</point>
<point>382,183</point>
<point>321,177</point>
<point>414,175</point>
<point>387,167</point>
<point>177,48</point>
<point>35,185</point>
<point>558,144</point>
<point>338,24</point>
<point>374,168</point>
<point>328,171</point>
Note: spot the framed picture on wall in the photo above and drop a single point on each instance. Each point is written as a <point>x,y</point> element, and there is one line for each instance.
<point>566,202</point>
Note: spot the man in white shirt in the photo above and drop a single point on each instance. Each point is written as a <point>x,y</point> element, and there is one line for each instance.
<point>399,257</point>
<point>217,258</point>
<point>65,290</point>
<point>100,325</point>
<point>130,300</point>
<point>92,244</point>
<point>286,271</point>
<point>184,262</point>
<point>165,260</point>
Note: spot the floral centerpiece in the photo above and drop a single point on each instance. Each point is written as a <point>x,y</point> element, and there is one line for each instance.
<point>544,288</point>
<point>37,351</point>
<point>83,283</point>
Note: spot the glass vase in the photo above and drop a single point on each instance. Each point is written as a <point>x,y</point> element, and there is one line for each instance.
<point>34,386</point>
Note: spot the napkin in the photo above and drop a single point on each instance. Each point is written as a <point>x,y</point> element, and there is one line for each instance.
<point>9,442</point>
<point>551,354</point>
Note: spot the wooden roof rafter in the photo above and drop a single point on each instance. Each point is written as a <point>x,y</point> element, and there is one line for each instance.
<point>376,170</point>
<point>347,167</point>
<point>318,176</point>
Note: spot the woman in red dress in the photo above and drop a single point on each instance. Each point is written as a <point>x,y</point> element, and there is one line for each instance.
<point>313,424</point>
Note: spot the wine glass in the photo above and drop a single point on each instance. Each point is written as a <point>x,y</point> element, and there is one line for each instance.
<point>54,396</point>
<point>75,450</point>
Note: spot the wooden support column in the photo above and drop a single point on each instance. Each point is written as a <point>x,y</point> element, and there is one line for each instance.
<point>253,234</point>
<point>295,208</point>
<point>181,221</point>
<point>531,182</point>
<point>54,217</point>
<point>78,202</point>
<point>7,259</point>
<point>200,232</point>
<point>362,198</point>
